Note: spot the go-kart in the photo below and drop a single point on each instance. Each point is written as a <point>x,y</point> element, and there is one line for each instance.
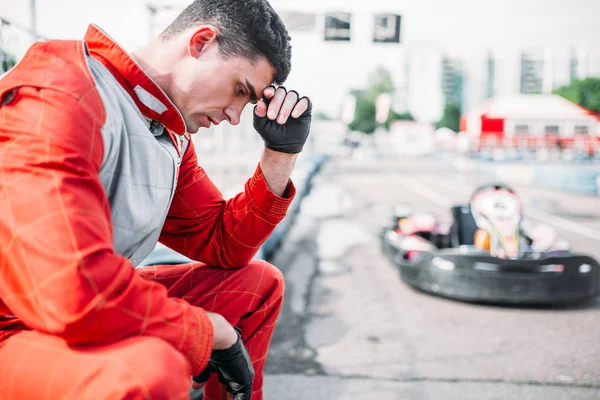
<point>487,253</point>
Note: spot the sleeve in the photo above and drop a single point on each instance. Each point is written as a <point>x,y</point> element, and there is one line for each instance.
<point>59,272</point>
<point>204,227</point>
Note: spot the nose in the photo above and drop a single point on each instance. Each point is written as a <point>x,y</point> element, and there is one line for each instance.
<point>233,115</point>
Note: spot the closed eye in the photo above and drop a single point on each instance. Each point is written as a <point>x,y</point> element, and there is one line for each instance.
<point>248,91</point>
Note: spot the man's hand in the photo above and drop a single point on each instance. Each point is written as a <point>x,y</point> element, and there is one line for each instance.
<point>224,334</point>
<point>283,119</point>
<point>233,367</point>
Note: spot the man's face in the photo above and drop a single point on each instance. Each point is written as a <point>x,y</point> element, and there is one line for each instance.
<point>209,88</point>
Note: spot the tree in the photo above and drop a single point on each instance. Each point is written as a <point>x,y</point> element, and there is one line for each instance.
<point>450,118</point>
<point>364,114</point>
<point>380,81</point>
<point>394,116</point>
<point>583,92</point>
<point>7,61</point>
<point>322,115</point>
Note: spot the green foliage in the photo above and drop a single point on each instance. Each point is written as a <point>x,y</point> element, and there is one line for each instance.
<point>323,116</point>
<point>394,116</point>
<point>450,118</point>
<point>364,115</point>
<point>583,92</point>
<point>8,61</point>
<point>380,81</point>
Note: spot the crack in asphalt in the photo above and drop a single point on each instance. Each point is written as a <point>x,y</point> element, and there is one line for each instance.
<point>455,380</point>
<point>289,350</point>
<point>306,317</point>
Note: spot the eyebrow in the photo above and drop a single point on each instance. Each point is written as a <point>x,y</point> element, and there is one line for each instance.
<point>253,95</point>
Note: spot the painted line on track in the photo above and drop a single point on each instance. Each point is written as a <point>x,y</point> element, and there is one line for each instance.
<point>563,223</point>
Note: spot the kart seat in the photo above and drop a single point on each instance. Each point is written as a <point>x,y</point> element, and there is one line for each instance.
<point>463,228</point>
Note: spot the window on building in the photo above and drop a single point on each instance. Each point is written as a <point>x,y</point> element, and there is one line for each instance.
<point>552,130</point>
<point>337,26</point>
<point>581,129</point>
<point>299,21</point>
<point>387,28</point>
<point>521,128</point>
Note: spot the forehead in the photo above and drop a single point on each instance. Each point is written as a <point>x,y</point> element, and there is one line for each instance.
<point>260,73</point>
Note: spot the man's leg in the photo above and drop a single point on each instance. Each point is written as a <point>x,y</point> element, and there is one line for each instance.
<point>249,297</point>
<point>39,366</point>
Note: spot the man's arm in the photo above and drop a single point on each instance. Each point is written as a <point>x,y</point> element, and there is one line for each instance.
<point>204,227</point>
<point>59,272</point>
<point>277,168</point>
<point>283,120</point>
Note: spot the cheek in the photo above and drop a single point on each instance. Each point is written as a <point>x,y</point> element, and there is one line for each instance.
<point>215,94</point>
<point>211,90</point>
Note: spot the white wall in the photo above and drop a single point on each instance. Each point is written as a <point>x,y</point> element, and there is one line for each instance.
<point>561,67</point>
<point>508,70</point>
<point>327,70</point>
<point>425,97</point>
<point>475,79</point>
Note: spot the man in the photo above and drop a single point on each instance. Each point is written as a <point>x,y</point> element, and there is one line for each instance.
<point>96,166</point>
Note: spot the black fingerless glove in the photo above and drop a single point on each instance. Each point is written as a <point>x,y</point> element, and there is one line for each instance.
<point>285,138</point>
<point>234,369</point>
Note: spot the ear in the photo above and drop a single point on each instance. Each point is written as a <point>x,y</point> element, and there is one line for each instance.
<point>202,36</point>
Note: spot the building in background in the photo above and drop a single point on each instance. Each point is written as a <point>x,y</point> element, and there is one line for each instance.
<point>532,73</point>
<point>516,71</point>
<point>337,44</point>
<point>538,120</point>
<point>587,62</point>
<point>424,81</point>
<point>346,43</point>
<point>452,81</point>
<point>557,64</point>
<point>491,76</point>
<point>378,33</point>
<point>482,76</point>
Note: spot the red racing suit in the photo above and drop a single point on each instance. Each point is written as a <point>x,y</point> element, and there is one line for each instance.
<point>96,167</point>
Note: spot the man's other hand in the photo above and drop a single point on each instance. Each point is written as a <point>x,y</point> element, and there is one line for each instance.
<point>225,335</point>
<point>232,364</point>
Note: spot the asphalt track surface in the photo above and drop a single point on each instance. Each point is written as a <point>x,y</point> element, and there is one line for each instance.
<point>350,329</point>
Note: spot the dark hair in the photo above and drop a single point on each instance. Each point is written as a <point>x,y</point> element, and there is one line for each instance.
<point>248,28</point>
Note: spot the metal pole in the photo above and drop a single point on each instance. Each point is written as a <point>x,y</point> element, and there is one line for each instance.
<point>33,15</point>
<point>152,10</point>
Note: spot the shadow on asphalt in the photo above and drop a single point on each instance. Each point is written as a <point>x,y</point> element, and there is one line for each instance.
<point>581,305</point>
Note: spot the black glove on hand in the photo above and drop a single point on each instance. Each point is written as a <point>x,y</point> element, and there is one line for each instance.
<point>288,137</point>
<point>234,369</point>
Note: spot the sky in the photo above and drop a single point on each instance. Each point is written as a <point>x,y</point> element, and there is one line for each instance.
<point>459,26</point>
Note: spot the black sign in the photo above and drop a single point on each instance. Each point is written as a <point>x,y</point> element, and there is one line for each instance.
<point>337,26</point>
<point>387,28</point>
